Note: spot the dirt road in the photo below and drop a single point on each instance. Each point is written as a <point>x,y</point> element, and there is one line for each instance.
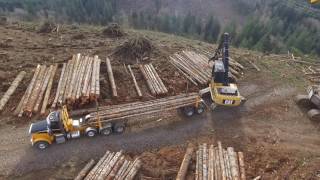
<point>269,120</point>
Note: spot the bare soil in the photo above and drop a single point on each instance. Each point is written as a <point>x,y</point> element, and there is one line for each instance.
<point>278,140</point>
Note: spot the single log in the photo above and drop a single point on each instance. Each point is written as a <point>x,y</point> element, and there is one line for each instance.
<point>121,174</point>
<point>205,162</point>
<point>28,92</point>
<point>111,78</point>
<point>83,173</point>
<point>98,79</point>
<point>233,163</point>
<point>149,83</point>
<point>197,165</point>
<point>48,91</point>
<point>115,169</point>
<point>11,89</point>
<point>222,164</point>
<point>108,167</point>
<point>93,78</point>
<point>135,82</point>
<point>60,84</point>
<point>211,163</point>
<point>241,166</point>
<point>44,85</point>
<point>134,170</point>
<point>227,163</point>
<point>218,175</point>
<point>200,171</point>
<point>255,66</point>
<point>95,168</point>
<point>185,164</point>
<point>87,86</point>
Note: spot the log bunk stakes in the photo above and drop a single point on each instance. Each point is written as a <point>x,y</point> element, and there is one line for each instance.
<point>112,166</point>
<point>196,69</point>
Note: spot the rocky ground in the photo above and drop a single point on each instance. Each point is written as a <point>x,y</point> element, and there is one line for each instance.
<point>278,140</point>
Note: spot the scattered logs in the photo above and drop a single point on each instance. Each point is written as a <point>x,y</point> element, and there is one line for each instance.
<point>111,78</point>
<point>37,91</point>
<point>154,82</point>
<point>135,82</point>
<point>79,81</point>
<point>112,166</point>
<point>196,69</point>
<point>124,111</point>
<point>216,163</point>
<point>11,89</point>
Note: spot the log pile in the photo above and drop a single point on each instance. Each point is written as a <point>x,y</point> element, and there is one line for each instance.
<point>79,81</point>
<point>196,69</point>
<point>154,82</point>
<point>112,166</point>
<point>11,89</point>
<point>37,91</point>
<point>312,74</point>
<point>216,163</point>
<point>130,110</point>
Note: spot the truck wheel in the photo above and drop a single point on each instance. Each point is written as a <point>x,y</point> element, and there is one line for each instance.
<point>106,131</point>
<point>119,128</point>
<point>41,145</point>
<point>188,111</point>
<point>91,133</point>
<point>201,108</point>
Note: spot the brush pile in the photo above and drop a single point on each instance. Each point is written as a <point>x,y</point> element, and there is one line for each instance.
<point>79,81</point>
<point>154,82</point>
<point>38,91</point>
<point>196,69</point>
<point>216,163</point>
<point>113,30</point>
<point>135,49</point>
<point>112,166</point>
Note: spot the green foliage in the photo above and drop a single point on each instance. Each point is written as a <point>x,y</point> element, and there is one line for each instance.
<point>211,30</point>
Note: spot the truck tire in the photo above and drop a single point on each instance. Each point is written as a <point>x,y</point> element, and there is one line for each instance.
<point>188,111</point>
<point>201,108</point>
<point>41,145</point>
<point>106,131</point>
<point>119,128</point>
<point>91,133</point>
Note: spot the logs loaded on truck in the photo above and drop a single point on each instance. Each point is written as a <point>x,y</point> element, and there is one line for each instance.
<point>58,127</point>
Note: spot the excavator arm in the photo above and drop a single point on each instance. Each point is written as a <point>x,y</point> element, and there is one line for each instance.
<point>314,1</point>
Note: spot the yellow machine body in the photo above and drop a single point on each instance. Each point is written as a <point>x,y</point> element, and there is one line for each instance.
<point>314,1</point>
<point>220,96</point>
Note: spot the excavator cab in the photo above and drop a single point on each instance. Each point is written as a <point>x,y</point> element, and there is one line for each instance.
<point>222,88</point>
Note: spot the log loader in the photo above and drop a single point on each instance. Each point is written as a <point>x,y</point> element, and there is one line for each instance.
<point>311,99</point>
<point>222,88</point>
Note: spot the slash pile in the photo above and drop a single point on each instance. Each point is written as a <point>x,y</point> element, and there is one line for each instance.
<point>196,69</point>
<point>124,111</point>
<point>112,166</point>
<point>154,82</point>
<point>38,91</point>
<point>79,81</point>
<point>216,163</point>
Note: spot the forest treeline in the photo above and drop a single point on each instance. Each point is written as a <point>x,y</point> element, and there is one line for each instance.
<point>283,29</point>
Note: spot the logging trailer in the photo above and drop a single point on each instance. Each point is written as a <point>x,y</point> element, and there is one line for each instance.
<point>222,88</point>
<point>58,127</point>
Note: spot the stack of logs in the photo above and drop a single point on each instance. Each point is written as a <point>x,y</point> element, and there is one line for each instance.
<point>196,69</point>
<point>154,82</point>
<point>11,89</point>
<point>38,91</point>
<point>79,81</point>
<point>124,111</point>
<point>216,163</point>
<point>112,166</point>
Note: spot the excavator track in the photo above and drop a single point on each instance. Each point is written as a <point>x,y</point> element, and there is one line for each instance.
<point>302,100</point>
<point>314,114</point>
